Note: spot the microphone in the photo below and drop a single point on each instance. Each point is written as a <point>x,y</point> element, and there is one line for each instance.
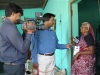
<point>76,40</point>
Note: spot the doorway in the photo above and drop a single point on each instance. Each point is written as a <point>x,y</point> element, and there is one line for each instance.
<point>88,11</point>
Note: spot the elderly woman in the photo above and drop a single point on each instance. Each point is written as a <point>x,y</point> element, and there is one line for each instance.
<point>84,60</point>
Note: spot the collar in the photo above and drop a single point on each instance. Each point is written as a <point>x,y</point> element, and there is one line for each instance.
<point>48,29</point>
<point>7,20</point>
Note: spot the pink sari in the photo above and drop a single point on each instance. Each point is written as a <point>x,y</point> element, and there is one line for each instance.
<point>85,63</point>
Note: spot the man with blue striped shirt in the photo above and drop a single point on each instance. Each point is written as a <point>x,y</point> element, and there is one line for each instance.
<point>43,47</point>
<point>13,49</point>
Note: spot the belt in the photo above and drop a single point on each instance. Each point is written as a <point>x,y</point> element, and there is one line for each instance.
<point>10,63</point>
<point>47,54</point>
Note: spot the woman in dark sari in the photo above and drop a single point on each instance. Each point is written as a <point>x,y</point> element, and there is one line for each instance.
<point>83,62</point>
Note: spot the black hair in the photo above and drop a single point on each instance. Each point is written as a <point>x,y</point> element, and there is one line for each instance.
<point>48,15</point>
<point>12,7</point>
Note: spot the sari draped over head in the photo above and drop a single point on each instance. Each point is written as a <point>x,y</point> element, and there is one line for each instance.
<point>82,42</point>
<point>85,63</point>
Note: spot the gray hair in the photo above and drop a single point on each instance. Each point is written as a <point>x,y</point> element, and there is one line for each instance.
<point>86,24</point>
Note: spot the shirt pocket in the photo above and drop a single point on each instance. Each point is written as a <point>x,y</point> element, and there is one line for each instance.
<point>53,40</point>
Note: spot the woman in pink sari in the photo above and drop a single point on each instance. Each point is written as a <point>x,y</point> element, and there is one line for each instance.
<point>83,62</point>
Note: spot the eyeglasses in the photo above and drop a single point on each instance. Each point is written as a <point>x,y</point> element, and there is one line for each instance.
<point>82,27</point>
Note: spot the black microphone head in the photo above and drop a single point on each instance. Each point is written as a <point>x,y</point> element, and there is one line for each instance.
<point>19,22</point>
<point>77,37</point>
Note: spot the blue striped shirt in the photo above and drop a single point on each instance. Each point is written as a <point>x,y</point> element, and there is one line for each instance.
<point>12,46</point>
<point>45,41</point>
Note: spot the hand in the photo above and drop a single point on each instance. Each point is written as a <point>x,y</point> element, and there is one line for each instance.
<point>36,67</point>
<point>76,55</point>
<point>69,45</point>
<point>71,39</point>
<point>86,48</point>
<point>30,31</point>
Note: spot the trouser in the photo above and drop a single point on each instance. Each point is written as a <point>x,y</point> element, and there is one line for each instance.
<point>46,64</point>
<point>14,69</point>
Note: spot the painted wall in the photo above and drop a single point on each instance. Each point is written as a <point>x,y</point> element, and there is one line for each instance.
<point>61,9</point>
<point>75,26</point>
<point>1,14</point>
